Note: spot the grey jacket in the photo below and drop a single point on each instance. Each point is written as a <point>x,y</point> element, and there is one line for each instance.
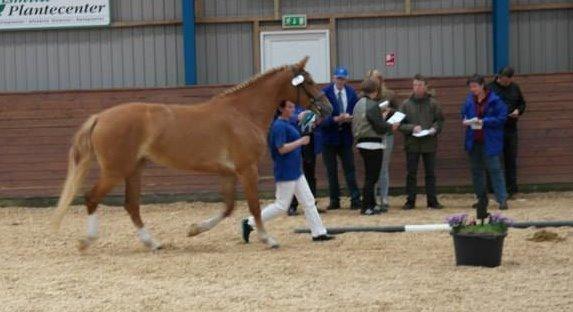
<point>368,125</point>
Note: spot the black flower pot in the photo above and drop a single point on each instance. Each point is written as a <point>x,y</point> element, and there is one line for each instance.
<point>478,249</point>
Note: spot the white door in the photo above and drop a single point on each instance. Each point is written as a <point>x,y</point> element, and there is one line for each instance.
<point>287,47</point>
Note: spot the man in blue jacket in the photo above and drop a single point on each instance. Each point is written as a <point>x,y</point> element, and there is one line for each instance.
<point>484,115</point>
<point>337,138</point>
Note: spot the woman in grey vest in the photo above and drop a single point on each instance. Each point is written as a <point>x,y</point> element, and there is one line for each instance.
<point>384,94</point>
<point>368,128</point>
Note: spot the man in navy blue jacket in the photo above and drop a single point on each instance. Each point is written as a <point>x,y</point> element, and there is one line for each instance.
<point>337,138</point>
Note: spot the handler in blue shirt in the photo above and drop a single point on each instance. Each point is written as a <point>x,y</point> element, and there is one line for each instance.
<point>309,153</point>
<point>337,139</point>
<point>285,146</point>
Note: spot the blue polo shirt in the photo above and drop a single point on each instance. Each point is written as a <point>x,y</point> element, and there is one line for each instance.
<point>287,167</point>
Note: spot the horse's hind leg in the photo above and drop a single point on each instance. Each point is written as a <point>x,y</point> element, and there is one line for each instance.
<point>132,196</point>
<point>93,198</point>
<point>250,180</point>
<point>228,184</point>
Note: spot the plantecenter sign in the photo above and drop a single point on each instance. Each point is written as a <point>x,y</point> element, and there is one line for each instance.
<point>41,14</point>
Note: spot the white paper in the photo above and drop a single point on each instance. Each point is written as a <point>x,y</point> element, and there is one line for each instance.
<point>468,122</point>
<point>396,118</point>
<point>473,123</point>
<point>422,133</point>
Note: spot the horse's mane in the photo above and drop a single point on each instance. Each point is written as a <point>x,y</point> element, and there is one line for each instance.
<point>253,80</point>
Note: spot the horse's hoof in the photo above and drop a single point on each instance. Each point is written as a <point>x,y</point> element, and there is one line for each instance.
<point>273,244</point>
<point>194,230</point>
<point>83,244</point>
<point>156,247</point>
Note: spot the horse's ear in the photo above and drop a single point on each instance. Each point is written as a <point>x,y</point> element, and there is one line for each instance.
<point>302,63</point>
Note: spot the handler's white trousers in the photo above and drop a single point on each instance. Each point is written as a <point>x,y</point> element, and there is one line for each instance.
<point>284,194</point>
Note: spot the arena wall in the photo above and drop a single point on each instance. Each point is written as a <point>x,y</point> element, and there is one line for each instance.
<point>36,128</point>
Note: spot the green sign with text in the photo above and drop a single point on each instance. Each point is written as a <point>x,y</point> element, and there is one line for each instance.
<point>294,21</point>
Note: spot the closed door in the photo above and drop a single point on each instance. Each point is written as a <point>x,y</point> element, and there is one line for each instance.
<point>287,47</point>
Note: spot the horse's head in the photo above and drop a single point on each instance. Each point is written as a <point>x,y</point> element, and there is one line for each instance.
<point>306,92</point>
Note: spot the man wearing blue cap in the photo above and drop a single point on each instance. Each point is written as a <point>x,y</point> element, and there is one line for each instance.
<point>337,138</point>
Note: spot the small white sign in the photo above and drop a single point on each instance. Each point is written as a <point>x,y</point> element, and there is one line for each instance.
<point>41,14</point>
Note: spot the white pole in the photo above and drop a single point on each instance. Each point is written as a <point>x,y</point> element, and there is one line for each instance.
<point>427,227</point>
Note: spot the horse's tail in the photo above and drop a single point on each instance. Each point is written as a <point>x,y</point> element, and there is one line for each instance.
<point>79,158</point>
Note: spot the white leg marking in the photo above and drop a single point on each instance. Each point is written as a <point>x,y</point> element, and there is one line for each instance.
<point>269,240</point>
<point>92,232</point>
<point>147,240</point>
<point>205,225</point>
<point>93,224</point>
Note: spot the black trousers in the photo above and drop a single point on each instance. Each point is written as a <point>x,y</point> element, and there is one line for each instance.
<point>346,155</point>
<point>372,165</point>
<point>308,167</point>
<point>510,160</point>
<point>412,160</point>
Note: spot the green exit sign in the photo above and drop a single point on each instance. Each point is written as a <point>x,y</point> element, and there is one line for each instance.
<point>294,21</point>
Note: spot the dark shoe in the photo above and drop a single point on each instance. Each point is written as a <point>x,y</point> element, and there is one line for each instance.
<point>292,211</point>
<point>382,209</point>
<point>409,206</point>
<point>322,238</point>
<point>355,205</point>
<point>246,229</point>
<point>435,206</point>
<point>503,206</point>
<point>333,206</point>
<point>475,205</point>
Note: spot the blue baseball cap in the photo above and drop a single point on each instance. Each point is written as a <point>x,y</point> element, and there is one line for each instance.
<point>341,72</point>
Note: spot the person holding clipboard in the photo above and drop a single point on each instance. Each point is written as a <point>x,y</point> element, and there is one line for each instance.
<point>421,127</point>
<point>484,115</point>
<point>368,128</point>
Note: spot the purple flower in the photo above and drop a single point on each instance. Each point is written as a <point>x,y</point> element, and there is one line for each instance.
<point>499,218</point>
<point>457,220</point>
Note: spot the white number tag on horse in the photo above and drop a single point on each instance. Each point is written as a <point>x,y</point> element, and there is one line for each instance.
<point>297,80</point>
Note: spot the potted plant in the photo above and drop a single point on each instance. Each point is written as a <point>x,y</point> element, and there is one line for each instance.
<point>479,244</point>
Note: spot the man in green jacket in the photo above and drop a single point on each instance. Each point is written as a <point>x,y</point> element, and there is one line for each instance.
<point>421,126</point>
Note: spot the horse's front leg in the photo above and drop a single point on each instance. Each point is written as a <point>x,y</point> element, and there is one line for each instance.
<point>250,179</point>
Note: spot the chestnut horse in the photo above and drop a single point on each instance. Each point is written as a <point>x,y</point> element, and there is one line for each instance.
<point>225,136</point>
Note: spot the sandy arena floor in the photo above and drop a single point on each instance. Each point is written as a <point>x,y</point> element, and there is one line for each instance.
<point>40,271</point>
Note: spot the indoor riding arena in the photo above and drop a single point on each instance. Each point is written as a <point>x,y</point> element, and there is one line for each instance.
<point>114,108</point>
